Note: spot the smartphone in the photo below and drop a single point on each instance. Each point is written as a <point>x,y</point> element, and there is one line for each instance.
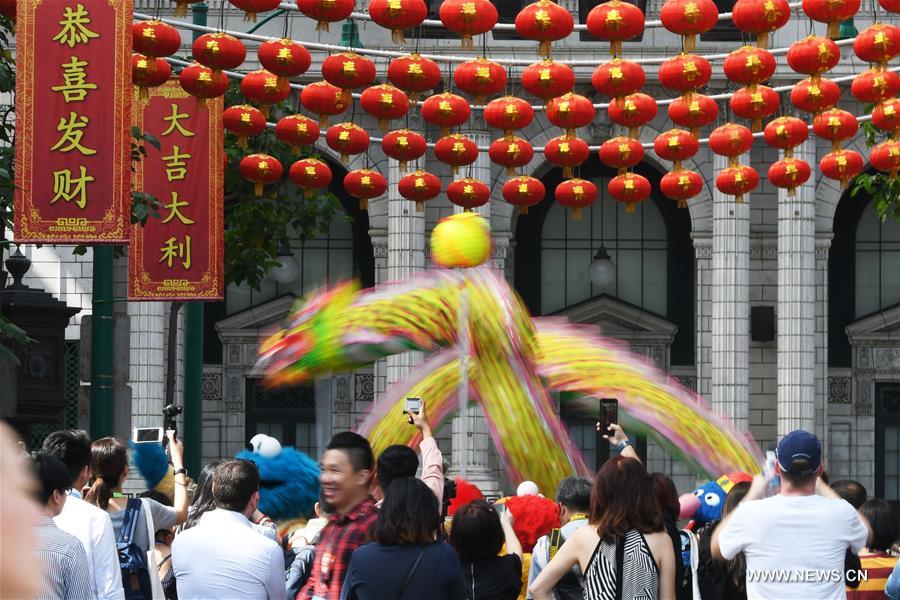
<point>609,413</point>
<point>413,404</point>
<point>146,435</point>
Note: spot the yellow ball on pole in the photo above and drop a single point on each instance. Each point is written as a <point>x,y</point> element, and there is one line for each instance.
<point>461,240</point>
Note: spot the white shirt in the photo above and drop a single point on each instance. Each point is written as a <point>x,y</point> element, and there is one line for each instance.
<point>93,528</point>
<point>794,545</point>
<point>224,557</point>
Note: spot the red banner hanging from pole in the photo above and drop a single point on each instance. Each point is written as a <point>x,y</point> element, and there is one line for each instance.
<point>73,121</point>
<point>180,256</point>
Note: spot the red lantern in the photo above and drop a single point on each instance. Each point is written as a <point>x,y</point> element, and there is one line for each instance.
<point>544,21</point>
<point>325,100</point>
<point>203,82</point>
<point>310,174</point>
<point>348,70</point>
<point>874,85</point>
<point>681,185</point>
<point>480,78</point>
<point>468,18</point>
<point>219,51</point>
<point>508,113</point>
<point>617,78</point>
<point>243,121</point>
<point>576,194</point>
<point>675,145</point>
<point>878,44</point>
<point>384,102</point>
<point>886,157</point>
<point>548,79</point>
<point>814,96</point>
<point>835,125</point>
<point>346,139</point>
<point>621,153</point>
<point>523,191</point>
<point>753,103</point>
<point>446,110</point>
<point>886,116</point>
<point>144,77</point>
<point>786,133</point>
<point>629,189</point>
<point>789,173</point>
<point>284,57</point>
<point>414,74</point>
<point>456,150</point>
<point>261,169</point>
<point>832,12</point>
<point>748,65</point>
<point>759,17</point>
<point>891,6</point>
<point>296,131</point>
<point>566,152</point>
<point>684,73</point>
<point>813,55</point>
<point>420,187</point>
<point>737,180</point>
<point>615,22</point>
<point>398,15</point>
<point>842,165</point>
<point>689,18</point>
<point>731,140</point>
<point>469,193</point>
<point>570,111</point>
<point>181,7</point>
<point>365,184</point>
<point>155,39</point>
<point>265,89</point>
<point>251,7</point>
<point>694,111</point>
<point>403,146</point>
<point>511,152</point>
<point>325,12</point>
<point>632,111</point>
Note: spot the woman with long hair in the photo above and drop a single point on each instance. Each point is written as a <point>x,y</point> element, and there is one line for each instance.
<point>625,551</point>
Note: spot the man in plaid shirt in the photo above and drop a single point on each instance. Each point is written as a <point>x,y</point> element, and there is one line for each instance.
<point>346,479</point>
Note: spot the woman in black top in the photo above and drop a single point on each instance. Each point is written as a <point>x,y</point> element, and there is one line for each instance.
<point>667,498</point>
<point>478,533</point>
<point>405,562</point>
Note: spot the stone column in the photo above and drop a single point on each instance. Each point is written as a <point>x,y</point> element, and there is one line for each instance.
<point>730,304</point>
<point>703,254</point>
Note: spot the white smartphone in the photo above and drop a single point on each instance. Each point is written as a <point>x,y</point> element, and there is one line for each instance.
<point>146,435</point>
<point>413,404</point>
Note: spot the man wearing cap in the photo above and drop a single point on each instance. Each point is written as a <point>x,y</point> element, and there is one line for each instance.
<point>794,542</point>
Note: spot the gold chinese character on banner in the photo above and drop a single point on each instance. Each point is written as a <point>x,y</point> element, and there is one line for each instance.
<point>174,121</point>
<point>74,27</point>
<point>72,131</point>
<point>176,165</point>
<point>173,249</point>
<point>174,211</point>
<point>70,188</point>
<point>75,85</point>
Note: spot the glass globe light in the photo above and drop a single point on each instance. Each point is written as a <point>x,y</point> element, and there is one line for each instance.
<point>602,270</point>
<point>287,271</point>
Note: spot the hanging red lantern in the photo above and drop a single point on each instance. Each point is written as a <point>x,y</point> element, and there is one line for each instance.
<point>749,65</point>
<point>469,193</point>
<point>832,12</point>
<point>684,73</point>
<point>144,77</point>
<point>480,78</point>
<point>878,43</point>
<point>261,169</point>
<point>786,133</point>
<point>813,55</point>
<point>621,153</point>
<point>737,181</point>
<point>203,82</point>
<point>384,102</point>
<point>285,58</point>
<point>310,174</point>
<point>874,85</point>
<point>689,18</point>
<point>181,7</point>
<point>891,6</point>
<point>456,150</point>
<point>348,70</point>
<point>753,103</point>
<point>835,125</point>
<point>398,15</point>
<point>403,146</point>
<point>886,157</point>
<point>346,139</point>
<point>325,12</point>
<point>544,21</point>
<point>886,116</point>
<point>154,39</point>
<point>615,21</point>
<point>576,194</point>
<point>570,111</point>
<point>548,79</point>
<point>523,191</point>
<point>243,121</point>
<point>252,7</point>
<point>8,9</point>
<point>629,189</point>
<point>814,96</point>
<point>511,152</point>
<point>265,89</point>
<point>842,166</point>
<point>420,187</point>
<point>694,111</point>
<point>675,145</point>
<point>731,140</point>
<point>468,18</point>
<point>632,111</point>
<point>365,184</point>
<point>617,78</point>
<point>567,152</point>
<point>325,100</point>
<point>508,113</point>
<point>414,74</point>
<point>681,185</point>
<point>219,51</point>
<point>760,17</point>
<point>446,110</point>
<point>789,173</point>
<point>297,131</point>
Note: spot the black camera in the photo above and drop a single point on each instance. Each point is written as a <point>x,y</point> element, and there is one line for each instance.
<point>170,412</point>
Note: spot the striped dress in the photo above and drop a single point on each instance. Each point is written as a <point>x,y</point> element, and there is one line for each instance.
<point>640,576</point>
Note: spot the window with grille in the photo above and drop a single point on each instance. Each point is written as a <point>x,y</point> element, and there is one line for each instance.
<point>68,419</point>
<point>877,263</point>
<point>288,414</point>
<point>887,442</point>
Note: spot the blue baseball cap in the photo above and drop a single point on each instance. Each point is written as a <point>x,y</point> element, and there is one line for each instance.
<point>796,446</point>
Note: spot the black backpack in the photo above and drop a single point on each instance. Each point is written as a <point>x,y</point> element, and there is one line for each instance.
<point>133,558</point>
<point>569,586</point>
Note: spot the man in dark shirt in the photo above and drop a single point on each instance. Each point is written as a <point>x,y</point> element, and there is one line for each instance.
<point>346,479</point>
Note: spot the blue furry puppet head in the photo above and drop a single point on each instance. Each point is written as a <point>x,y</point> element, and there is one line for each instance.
<point>705,504</point>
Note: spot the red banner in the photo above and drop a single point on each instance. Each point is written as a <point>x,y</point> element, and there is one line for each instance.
<point>73,121</point>
<point>180,256</point>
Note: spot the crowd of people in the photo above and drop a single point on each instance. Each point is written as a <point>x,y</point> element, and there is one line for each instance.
<point>382,533</point>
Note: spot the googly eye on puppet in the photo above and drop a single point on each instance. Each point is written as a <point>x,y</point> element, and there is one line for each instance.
<point>704,504</point>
